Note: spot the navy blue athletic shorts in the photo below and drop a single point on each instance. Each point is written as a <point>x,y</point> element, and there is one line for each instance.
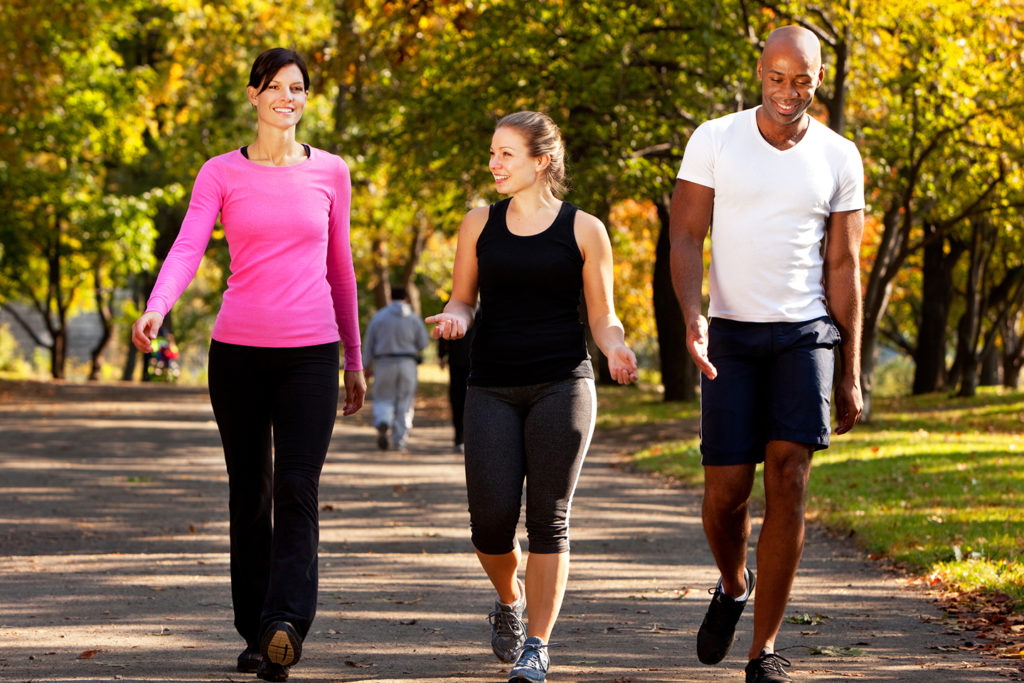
<point>774,384</point>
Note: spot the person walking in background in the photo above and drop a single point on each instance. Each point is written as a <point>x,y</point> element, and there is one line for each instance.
<point>392,345</point>
<point>456,353</point>
<point>531,403</point>
<point>273,368</point>
<point>784,196</point>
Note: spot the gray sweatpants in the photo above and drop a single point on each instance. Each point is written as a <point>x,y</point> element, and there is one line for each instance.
<point>538,433</point>
<point>394,391</point>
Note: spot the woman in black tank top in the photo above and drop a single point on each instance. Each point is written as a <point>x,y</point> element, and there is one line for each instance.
<point>531,405</point>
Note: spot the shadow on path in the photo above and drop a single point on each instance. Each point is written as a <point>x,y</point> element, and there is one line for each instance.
<point>113,563</point>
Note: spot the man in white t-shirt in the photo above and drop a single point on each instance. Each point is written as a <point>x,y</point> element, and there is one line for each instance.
<point>783,196</point>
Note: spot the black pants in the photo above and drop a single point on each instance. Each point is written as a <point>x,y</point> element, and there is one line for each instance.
<point>457,374</point>
<point>288,398</point>
<point>538,433</point>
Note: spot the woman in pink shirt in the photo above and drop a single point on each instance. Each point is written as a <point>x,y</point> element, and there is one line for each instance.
<point>274,361</point>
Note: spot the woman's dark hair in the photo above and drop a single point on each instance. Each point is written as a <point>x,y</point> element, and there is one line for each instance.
<point>270,62</point>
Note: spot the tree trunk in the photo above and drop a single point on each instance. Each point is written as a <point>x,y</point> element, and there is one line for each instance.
<point>1013,351</point>
<point>58,354</point>
<point>876,299</point>
<point>936,298</point>
<point>132,357</point>
<point>382,286</point>
<point>103,309</point>
<point>989,373</point>
<point>969,329</point>
<point>678,373</point>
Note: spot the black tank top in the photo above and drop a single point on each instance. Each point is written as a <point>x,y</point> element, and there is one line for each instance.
<point>528,329</point>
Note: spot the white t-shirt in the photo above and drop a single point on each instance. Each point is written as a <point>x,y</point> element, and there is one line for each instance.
<point>770,211</point>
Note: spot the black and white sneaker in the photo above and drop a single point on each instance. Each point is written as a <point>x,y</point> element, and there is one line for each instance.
<point>767,668</point>
<point>719,626</point>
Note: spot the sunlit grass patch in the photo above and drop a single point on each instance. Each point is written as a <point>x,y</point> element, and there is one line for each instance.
<point>619,406</point>
<point>978,573</point>
<point>935,483</point>
<point>679,459</point>
<point>931,497</point>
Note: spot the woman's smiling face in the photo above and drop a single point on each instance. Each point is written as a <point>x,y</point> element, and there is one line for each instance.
<point>511,164</point>
<point>282,102</point>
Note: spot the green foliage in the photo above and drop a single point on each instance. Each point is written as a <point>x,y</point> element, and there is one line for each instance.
<point>11,359</point>
<point>120,103</point>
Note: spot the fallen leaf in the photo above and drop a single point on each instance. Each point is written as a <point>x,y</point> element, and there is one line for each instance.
<point>88,654</point>
<point>836,651</point>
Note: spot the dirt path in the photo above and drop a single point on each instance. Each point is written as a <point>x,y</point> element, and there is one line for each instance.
<point>113,563</point>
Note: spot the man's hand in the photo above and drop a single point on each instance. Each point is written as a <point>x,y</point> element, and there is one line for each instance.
<point>697,345</point>
<point>849,404</point>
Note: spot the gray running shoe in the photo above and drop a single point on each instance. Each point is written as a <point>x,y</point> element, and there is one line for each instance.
<point>532,663</point>
<point>714,639</point>
<point>507,630</point>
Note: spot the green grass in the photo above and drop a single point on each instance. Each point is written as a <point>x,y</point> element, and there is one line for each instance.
<point>934,483</point>
<point>625,406</point>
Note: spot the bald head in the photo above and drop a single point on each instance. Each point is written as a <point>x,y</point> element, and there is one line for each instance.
<point>795,41</point>
<point>790,71</point>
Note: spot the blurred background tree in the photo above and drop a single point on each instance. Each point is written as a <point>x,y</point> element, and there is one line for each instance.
<point>118,107</point>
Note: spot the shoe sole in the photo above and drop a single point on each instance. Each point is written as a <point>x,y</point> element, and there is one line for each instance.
<point>281,647</point>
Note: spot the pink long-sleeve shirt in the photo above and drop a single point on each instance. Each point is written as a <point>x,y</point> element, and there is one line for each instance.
<point>292,282</point>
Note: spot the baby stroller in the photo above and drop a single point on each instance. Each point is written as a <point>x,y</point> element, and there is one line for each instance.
<point>163,363</point>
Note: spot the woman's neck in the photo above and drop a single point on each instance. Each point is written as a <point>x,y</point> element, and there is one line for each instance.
<point>276,148</point>
<point>534,200</point>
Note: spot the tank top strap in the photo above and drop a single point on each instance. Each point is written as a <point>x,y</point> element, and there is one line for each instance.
<point>566,220</point>
<point>498,213</point>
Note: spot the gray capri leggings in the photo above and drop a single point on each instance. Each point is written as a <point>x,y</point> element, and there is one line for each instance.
<point>538,433</point>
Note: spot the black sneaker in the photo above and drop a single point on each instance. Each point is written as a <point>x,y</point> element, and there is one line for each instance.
<point>382,437</point>
<point>249,660</point>
<point>719,626</point>
<point>268,671</point>
<point>767,669</point>
<point>281,645</point>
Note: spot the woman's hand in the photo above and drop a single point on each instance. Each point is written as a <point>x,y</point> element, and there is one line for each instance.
<point>355,391</point>
<point>145,330</point>
<point>446,326</point>
<point>622,365</point>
